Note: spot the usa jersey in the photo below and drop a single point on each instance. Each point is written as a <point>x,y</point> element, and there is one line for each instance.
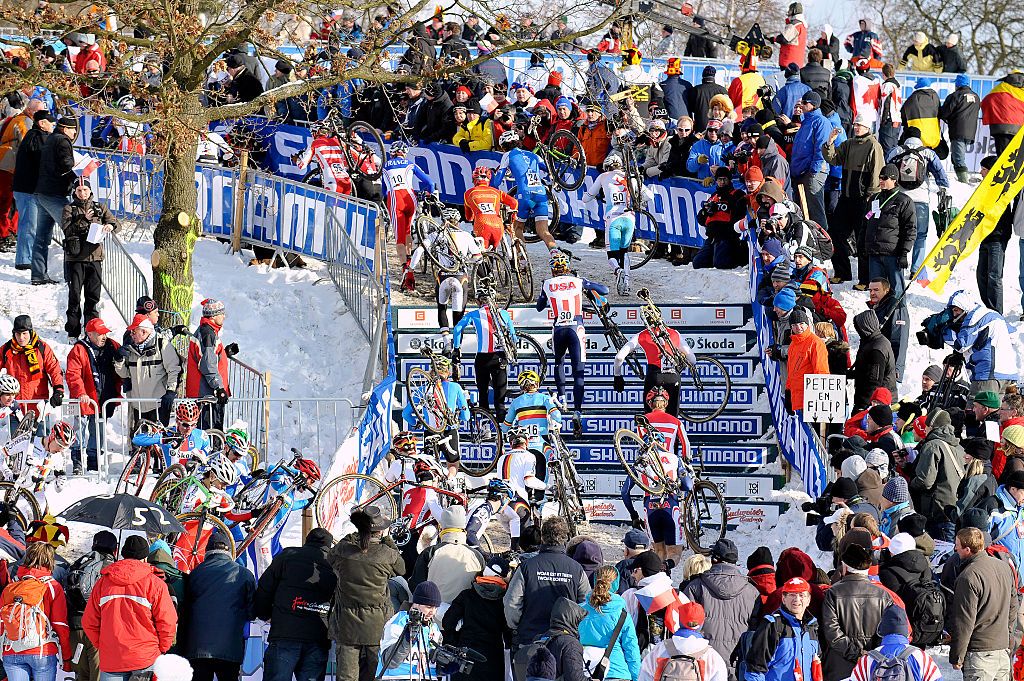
<point>398,173</point>
<point>327,153</point>
<point>565,294</point>
<point>514,466</point>
<point>671,429</point>
<point>488,336</point>
<point>525,167</point>
<point>534,412</point>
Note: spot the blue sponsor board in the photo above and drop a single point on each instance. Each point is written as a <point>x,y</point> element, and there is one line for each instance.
<point>596,397</point>
<point>740,369</point>
<point>608,481</point>
<point>727,425</point>
<point>726,457</point>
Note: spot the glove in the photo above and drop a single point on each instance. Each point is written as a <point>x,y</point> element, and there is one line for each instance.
<point>515,543</point>
<point>57,398</point>
<point>788,402</point>
<point>222,395</point>
<point>259,474</point>
<point>955,360</point>
<point>121,355</point>
<point>180,330</point>
<point>464,145</point>
<point>231,349</point>
<point>167,401</point>
<point>619,384</point>
<point>59,479</point>
<point>708,181</point>
<point>902,261</point>
<point>456,355</point>
<point>665,167</point>
<point>702,158</point>
<point>636,521</point>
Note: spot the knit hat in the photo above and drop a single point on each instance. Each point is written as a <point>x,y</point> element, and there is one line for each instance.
<point>853,466</point>
<point>894,621</point>
<point>762,555</point>
<point>879,460</point>
<point>895,490</point>
<point>800,315</point>
<point>725,551</point>
<point>791,70</point>
<point>881,414</point>
<point>934,372</point>
<point>812,98</point>
<point>555,78</point>
<point>785,299</point>
<point>691,615</point>
<point>937,418</point>
<point>22,323</point>
<point>233,61</point>
<point>989,399</point>
<point>104,541</point>
<point>497,566</point>
<point>913,524</point>
<point>889,172</point>
<point>212,307</point>
<point>753,173</point>
<point>465,90</point>
<point>427,593</point>
<point>563,101</point>
<point>542,665</point>
<point>882,395</point>
<point>771,246</point>
<point>804,251</point>
<point>145,305</point>
<point>636,539</point>
<point>708,72</point>
<point>1014,435</point>
<point>1015,480</point>
<point>856,557</point>
<point>722,172</point>
<point>844,488</point>
<point>135,547</point>
<point>901,543</point>
<point>979,448</point>
<point>781,273</point>
<point>974,517</point>
<point>796,585</point>
<point>962,80</point>
<point>453,518</point>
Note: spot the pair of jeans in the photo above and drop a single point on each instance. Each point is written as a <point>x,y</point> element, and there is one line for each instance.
<point>958,152</point>
<point>205,668</point>
<point>991,256</point>
<point>887,266</point>
<point>88,432</point>
<point>31,667</point>
<point>50,211</point>
<point>814,191</point>
<point>720,254</point>
<point>306,660</point>
<point>27,210</point>
<point>888,138</point>
<point>921,241</point>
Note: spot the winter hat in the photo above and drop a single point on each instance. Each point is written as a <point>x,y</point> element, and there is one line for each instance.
<point>722,172</point>
<point>800,315</point>
<point>753,173</point>
<point>923,82</point>
<point>812,98</point>
<point>464,89</point>
<point>636,539</point>
<point>169,667</point>
<point>212,307</point>
<point>691,615</point>
<point>878,460</point>
<point>988,399</point>
<point>145,305</point>
<point>283,66</point>
<point>844,488</point>
<point>937,418</point>
<point>934,372</point>
<point>563,101</point>
<point>781,273</point>
<point>901,543</point>
<point>953,39</point>
<point>913,524</point>
<point>673,67</point>
<point>542,665</point>
<point>233,61</point>
<point>853,466</point>
<point>975,517</point>
<point>856,444</point>
<point>895,490</point>
<point>22,323</point>
<point>771,246</point>
<point>862,119</point>
<point>804,251</point>
<point>796,585</point>
<point>856,557</point>
<point>889,172</point>
<point>920,38</point>
<point>708,72</point>
<point>724,551</point>
<point>427,593</point>
<point>894,621</point>
<point>496,566</point>
<point>67,122</point>
<point>1014,435</point>
<point>882,395</point>
<point>555,78</point>
<point>881,414</point>
<point>791,70</point>
<point>453,518</point>
<point>1015,480</point>
<point>135,547</point>
<point>762,555</point>
<point>979,447</point>
<point>104,541</point>
<point>785,299</point>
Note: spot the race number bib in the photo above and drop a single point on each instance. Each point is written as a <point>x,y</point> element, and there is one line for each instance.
<point>532,178</point>
<point>397,180</point>
<point>619,198</point>
<point>533,429</point>
<point>564,317</point>
<point>338,169</point>
<point>487,209</point>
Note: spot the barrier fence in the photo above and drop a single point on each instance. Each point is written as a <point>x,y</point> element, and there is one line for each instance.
<point>354,278</point>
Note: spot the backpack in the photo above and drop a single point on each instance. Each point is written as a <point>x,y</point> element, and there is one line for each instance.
<point>739,656</point>
<point>23,624</point>
<point>823,248</point>
<point>913,169</point>
<point>682,667</point>
<point>82,577</point>
<point>926,611</point>
<point>892,668</point>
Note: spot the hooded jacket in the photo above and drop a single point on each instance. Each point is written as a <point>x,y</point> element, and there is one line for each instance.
<point>296,591</point>
<point>938,472</point>
<point>476,619</point>
<point>875,366</point>
<point>960,112</point>
<point>1007,520</point>
<point>451,565</point>
<point>774,164</point>
<point>807,157</point>
<point>924,58</point>
<point>537,583</point>
<point>973,490</point>
<point>789,94</point>
<point>841,89</point>
<point>731,605</point>
<point>807,355</point>
<point>891,232</point>
<point>909,567</point>
<point>782,642</point>
<point>220,590</point>
<point>361,603</point>
<point>983,338</point>
<point>1002,109</point>
<point>153,368</point>
<point>849,622</point>
<point>676,91</point>
<point>206,366</point>
<point>861,158</point>
<point>829,45</point>
<point>792,41</point>
<point>864,43</point>
<point>563,640</point>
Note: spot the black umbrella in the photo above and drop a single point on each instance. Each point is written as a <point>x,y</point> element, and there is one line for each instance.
<point>123,512</point>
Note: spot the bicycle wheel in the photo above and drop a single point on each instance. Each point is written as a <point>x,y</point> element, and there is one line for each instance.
<point>189,547</point>
<point>259,527</point>
<point>422,386</point>
<point>530,235</point>
<point>22,502</point>
<point>336,501</point>
<point>704,516</point>
<point>253,458</point>
<point>493,269</point>
<point>253,494</point>
<point>173,474</point>
<point>444,257</point>
<point>646,239</point>
<point>170,495</point>
<point>495,539</point>
<point>361,160</point>
<point>133,477</point>
<point>713,386</point>
<point>483,437</point>
<point>26,425</point>
<point>523,270</point>
<point>568,160</point>
<point>536,353</point>
<point>639,462</point>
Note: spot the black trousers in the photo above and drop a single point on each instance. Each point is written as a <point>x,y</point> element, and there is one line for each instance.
<point>212,416</point>
<point>82,276</point>
<point>204,669</point>
<point>846,224</point>
<point>492,372</point>
<point>668,380</point>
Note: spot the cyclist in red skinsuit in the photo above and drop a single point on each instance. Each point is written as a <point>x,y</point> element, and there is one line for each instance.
<point>482,207</point>
<point>327,153</point>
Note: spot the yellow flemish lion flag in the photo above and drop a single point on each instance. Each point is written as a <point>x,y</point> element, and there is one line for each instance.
<point>977,218</point>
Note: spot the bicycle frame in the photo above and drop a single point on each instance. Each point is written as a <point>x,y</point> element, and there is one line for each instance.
<point>659,334</point>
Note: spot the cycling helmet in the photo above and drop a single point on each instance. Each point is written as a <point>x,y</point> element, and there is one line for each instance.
<point>651,315</point>
<point>63,433</point>
<point>612,161</point>
<point>482,175</point>
<point>559,262</point>
<point>187,412</point>
<point>517,435</point>
<point>9,385</point>
<point>309,470</point>
<point>451,215</point>
<point>484,291</point>
<point>442,363</point>
<point>404,442</point>
<point>399,148</point>
<point>509,137</point>
<point>224,470</point>
<point>423,470</point>
<point>498,488</point>
<point>528,377</point>
<point>657,393</point>
<point>237,440</point>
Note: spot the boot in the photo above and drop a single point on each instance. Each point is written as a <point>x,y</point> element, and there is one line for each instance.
<point>961,174</point>
<point>408,279</point>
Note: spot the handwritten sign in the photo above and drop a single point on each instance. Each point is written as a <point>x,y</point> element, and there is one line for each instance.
<point>825,398</point>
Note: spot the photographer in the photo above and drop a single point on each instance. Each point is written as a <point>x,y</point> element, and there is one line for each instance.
<point>722,248</point>
<point>980,339</point>
<point>841,501</point>
<point>411,638</point>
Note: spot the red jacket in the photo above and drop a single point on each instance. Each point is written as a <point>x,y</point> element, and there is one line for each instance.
<point>80,375</point>
<point>129,617</point>
<point>55,607</point>
<point>35,385</point>
<point>207,367</point>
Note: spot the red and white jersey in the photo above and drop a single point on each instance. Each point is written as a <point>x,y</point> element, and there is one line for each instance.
<point>420,504</point>
<point>565,295</point>
<point>327,153</point>
<point>672,429</point>
<point>866,97</point>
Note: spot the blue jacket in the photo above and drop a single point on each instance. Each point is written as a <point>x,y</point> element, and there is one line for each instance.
<point>1007,522</point>
<point>714,152</point>
<point>984,339</point>
<point>789,94</point>
<point>222,591</point>
<point>676,91</point>
<point>780,640</point>
<point>807,157</point>
<point>837,124</point>
<point>407,667</point>
<point>596,630</point>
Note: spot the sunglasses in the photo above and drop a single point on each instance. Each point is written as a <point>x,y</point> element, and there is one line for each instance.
<point>684,130</point>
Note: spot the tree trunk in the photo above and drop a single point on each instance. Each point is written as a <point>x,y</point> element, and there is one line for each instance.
<point>177,230</point>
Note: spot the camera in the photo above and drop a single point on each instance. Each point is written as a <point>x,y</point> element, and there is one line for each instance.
<point>766,91</point>
<point>450,659</point>
<point>417,618</point>
<point>738,155</point>
<point>934,327</point>
<point>817,509</point>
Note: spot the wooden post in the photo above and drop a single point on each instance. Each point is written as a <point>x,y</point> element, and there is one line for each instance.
<point>803,201</point>
<point>307,521</point>
<point>236,228</point>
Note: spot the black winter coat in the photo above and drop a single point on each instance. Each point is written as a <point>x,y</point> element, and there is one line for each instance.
<point>435,122</point>
<point>676,91</point>
<point>952,59</point>
<point>26,163</point>
<point>829,48</point>
<point>909,567</point>
<point>222,591</point>
<point>842,91</point>
<point>56,166</point>
<point>679,151</point>
<point>564,641</point>
<point>960,112</point>
<point>875,366</point>
<point>893,230</point>
<point>699,46</point>
<point>296,592</point>
<point>816,77</point>
<point>482,614</point>
<point>700,101</point>
<point>245,86</point>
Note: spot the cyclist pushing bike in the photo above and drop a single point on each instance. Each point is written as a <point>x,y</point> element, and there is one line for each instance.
<point>39,464</point>
<point>400,199</point>
<point>531,195</point>
<point>483,207</point>
<point>194,443</point>
<point>564,291</point>
<point>455,401</point>
<point>535,412</point>
<point>491,361</point>
<point>452,275</point>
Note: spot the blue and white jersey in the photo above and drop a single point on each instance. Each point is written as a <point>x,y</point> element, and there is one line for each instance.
<point>488,336</point>
<point>398,173</point>
<point>525,167</point>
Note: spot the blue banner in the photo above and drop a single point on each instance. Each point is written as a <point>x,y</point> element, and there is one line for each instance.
<point>375,428</point>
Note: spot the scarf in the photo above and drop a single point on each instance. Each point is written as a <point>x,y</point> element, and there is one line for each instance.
<point>98,378</point>
<point>32,354</point>
<point>209,322</point>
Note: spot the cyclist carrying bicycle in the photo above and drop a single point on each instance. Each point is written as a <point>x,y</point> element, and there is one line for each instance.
<point>39,463</point>
<point>236,447</point>
<point>531,195</point>
<point>518,465</point>
<point>325,150</point>
<point>661,369</point>
<point>194,445</point>
<point>535,412</point>
<point>564,291</point>
<point>502,503</point>
<point>670,427</point>
<point>398,173</point>
<point>491,361</point>
<point>619,219</point>
<point>262,551</point>
<point>483,207</point>
<point>456,401</point>
<point>209,492</point>
<point>451,280</point>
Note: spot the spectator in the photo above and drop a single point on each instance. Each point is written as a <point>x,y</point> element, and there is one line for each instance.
<point>790,94</point>
<point>982,615</point>
<point>875,365</point>
<point>1002,109</point>
<point>82,577</point>
<point>761,571</point>
<point>980,338</point>
<point>92,381</point>
<point>937,474</point>
<point>978,483</point>
<point>452,44</point>
<point>129,617</point>
<point>864,43</point>
<point>890,231</point>
<point>921,55</point>
<point>1006,514</point>
<point>295,595</point>
<point>894,317</point>
<point>807,355</point>
<point>83,258</point>
<point>529,598</point>
<point>219,590</point>
<point>24,181</point>
<point>698,44</point>
<point>729,600</point>
<point>35,586</point>
<point>895,504</point>
<point>244,85</point>
<point>559,32</point>
<point>707,154</point>
<point>56,177</point>
<point>785,640</point>
<point>594,137</point>
<point>207,363</point>
<point>450,564</point>
<point>562,640</point>
<point>814,75</point>
<point>606,615</point>
<point>400,656</point>
<point>476,619</point>
<point>841,90</point>
<point>602,82</point>
<point>792,41</point>
<point>434,120</point>
<point>699,102</point>
<point>847,631</point>
<point>960,111</point>
<point>992,252</point>
<point>671,657</point>
<point>31,360</point>
<point>635,542</point>
<point>675,90</point>
<point>903,564</point>
<point>743,90</point>
<point>471,30</point>
<point>949,54</point>
<point>152,365</point>
<point>808,166</point>
<point>869,484</point>
<point>828,48</point>
<point>19,113</point>
<point>475,133</point>
<point>722,247</point>
<point>913,181</point>
<point>553,90</point>
<point>588,554</point>
<point>666,47</point>
<point>773,163</point>
<point>848,501</point>
<point>895,632</point>
<point>861,159</point>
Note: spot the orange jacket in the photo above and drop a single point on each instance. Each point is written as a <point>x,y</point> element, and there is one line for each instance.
<point>35,381</point>
<point>807,355</point>
<point>596,142</point>
<point>483,206</point>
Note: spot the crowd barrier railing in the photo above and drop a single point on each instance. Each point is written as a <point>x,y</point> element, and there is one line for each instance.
<point>354,277</point>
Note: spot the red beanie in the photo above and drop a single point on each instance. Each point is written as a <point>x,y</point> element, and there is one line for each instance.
<point>754,173</point>
<point>883,395</point>
<point>555,78</point>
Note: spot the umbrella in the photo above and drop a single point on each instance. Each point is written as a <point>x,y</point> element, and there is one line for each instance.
<point>123,512</point>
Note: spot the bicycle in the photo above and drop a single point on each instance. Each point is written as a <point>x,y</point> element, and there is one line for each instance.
<point>563,156</point>
<point>645,223</point>
<point>360,143</point>
<point>612,333</point>
<point>704,510</point>
<point>565,483</point>
<point>255,493</point>
<point>526,342</point>
<point>514,252</point>
<point>206,523</point>
<point>16,493</point>
<point>700,372</point>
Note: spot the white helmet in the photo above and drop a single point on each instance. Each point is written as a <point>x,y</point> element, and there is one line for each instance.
<point>508,137</point>
<point>612,160</point>
<point>224,470</point>
<point>9,385</point>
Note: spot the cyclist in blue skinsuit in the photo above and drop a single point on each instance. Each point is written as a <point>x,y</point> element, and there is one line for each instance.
<point>194,445</point>
<point>531,194</point>
<point>457,401</point>
<point>490,360</point>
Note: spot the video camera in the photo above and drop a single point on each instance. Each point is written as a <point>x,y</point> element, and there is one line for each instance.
<point>449,659</point>
<point>417,619</point>
<point>934,327</point>
<point>817,509</point>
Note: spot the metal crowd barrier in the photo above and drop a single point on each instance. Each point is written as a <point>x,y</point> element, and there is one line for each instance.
<point>354,278</point>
